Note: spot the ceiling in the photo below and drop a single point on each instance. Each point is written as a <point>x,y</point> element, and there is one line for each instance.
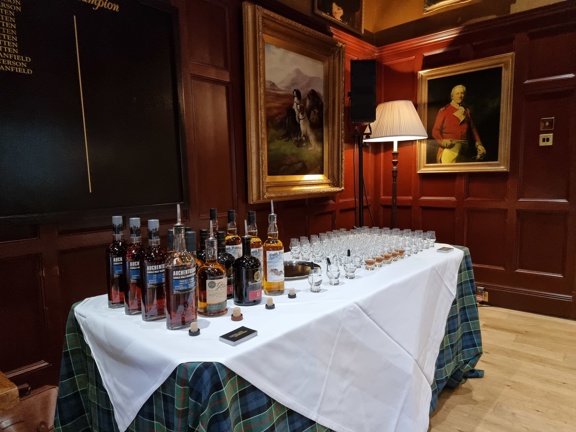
<point>384,17</point>
<point>388,21</point>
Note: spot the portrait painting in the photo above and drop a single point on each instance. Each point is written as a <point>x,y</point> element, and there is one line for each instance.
<point>466,111</point>
<point>294,98</point>
<point>345,13</point>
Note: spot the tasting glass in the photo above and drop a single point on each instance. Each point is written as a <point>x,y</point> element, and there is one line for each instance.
<point>349,267</point>
<point>431,237</point>
<point>295,248</point>
<point>369,260</point>
<point>315,279</point>
<point>305,248</point>
<point>333,273</point>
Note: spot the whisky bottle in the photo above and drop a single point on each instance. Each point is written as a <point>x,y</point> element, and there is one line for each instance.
<point>201,253</point>
<point>233,240</point>
<point>212,283</point>
<point>115,255</point>
<point>247,277</point>
<point>214,219</point>
<point>190,238</point>
<point>170,240</point>
<point>153,275</point>
<point>180,283</point>
<point>227,260</point>
<point>134,253</point>
<point>273,280</point>
<point>255,241</point>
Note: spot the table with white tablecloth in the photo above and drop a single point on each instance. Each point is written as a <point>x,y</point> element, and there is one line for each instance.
<point>357,356</point>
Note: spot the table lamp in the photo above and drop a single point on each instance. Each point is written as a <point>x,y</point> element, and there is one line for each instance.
<point>396,121</point>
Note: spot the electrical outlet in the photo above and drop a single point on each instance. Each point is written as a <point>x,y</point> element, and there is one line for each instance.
<point>546,139</point>
<point>485,300</point>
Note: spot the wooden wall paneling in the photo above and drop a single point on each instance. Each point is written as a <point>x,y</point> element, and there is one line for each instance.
<point>23,320</point>
<point>442,220</point>
<point>545,170</point>
<point>208,23</point>
<point>485,235</point>
<point>82,273</point>
<point>215,159</point>
<point>487,187</point>
<point>552,51</point>
<point>541,243</point>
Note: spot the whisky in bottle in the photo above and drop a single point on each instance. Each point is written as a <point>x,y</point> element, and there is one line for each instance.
<point>247,277</point>
<point>255,241</point>
<point>233,240</point>
<point>227,260</point>
<point>214,219</point>
<point>115,255</point>
<point>190,238</point>
<point>201,253</point>
<point>212,283</point>
<point>273,281</point>
<point>180,283</point>
<point>134,253</point>
<point>170,240</point>
<point>153,275</point>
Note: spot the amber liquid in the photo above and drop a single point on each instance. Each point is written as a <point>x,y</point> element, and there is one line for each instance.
<point>154,284</point>
<point>256,245</point>
<point>133,293</point>
<point>233,244</point>
<point>272,273</point>
<point>181,309</point>
<point>211,295</point>
<point>115,254</point>
<point>180,284</point>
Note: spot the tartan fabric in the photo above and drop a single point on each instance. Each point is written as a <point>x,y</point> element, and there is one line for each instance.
<point>461,347</point>
<point>210,397</point>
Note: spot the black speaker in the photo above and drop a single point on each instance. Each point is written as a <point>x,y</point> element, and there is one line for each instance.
<point>362,91</point>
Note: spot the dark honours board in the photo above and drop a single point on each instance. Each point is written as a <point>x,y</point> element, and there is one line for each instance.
<point>90,114</point>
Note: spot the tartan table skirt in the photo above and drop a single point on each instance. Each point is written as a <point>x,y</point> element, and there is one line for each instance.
<point>207,396</point>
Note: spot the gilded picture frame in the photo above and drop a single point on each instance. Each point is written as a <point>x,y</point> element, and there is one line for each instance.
<point>295,144</point>
<point>348,14</point>
<point>466,109</point>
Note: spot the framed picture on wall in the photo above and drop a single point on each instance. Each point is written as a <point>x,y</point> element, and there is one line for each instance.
<point>348,14</point>
<point>294,93</point>
<point>466,109</point>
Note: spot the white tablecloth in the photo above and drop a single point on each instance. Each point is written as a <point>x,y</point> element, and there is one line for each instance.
<point>357,356</point>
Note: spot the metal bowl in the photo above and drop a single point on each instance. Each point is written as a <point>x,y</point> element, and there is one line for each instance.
<point>297,269</point>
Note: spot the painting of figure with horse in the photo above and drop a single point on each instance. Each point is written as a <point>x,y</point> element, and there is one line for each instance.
<point>294,112</point>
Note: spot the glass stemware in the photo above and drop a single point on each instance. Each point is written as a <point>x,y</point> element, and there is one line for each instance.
<point>315,279</point>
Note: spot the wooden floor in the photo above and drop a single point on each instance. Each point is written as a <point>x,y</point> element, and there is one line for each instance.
<point>529,384</point>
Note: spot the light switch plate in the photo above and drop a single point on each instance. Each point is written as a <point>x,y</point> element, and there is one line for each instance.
<point>546,139</point>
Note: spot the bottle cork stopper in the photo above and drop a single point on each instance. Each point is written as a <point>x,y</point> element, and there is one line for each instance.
<point>292,293</point>
<point>237,314</point>
<point>270,303</point>
<point>194,330</point>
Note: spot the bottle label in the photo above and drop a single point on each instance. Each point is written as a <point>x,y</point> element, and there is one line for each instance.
<point>216,294</point>
<point>257,253</point>
<point>117,268</point>
<point>183,280</point>
<point>134,271</point>
<point>234,250</point>
<point>254,284</point>
<point>155,275</point>
<point>275,266</point>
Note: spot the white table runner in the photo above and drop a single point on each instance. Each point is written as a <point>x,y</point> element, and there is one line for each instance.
<point>358,356</point>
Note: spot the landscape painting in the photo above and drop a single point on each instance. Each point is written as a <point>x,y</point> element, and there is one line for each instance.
<point>294,99</point>
<point>294,112</point>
